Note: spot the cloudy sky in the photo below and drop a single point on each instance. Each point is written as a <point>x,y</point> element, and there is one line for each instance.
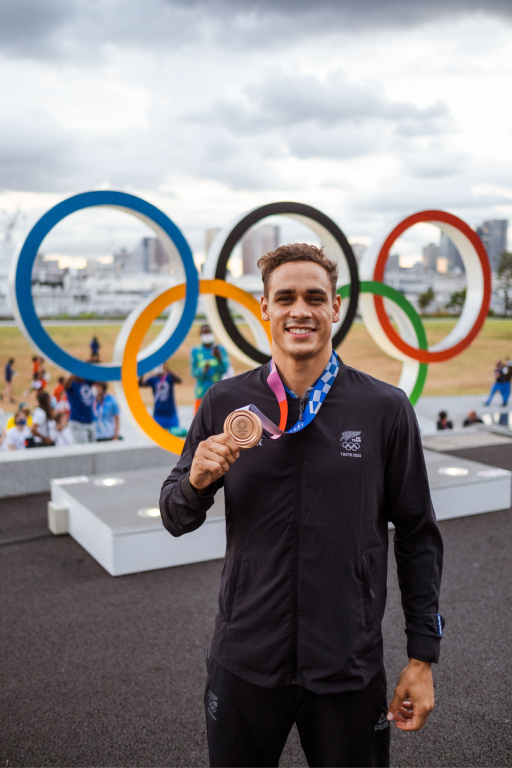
<point>366,109</point>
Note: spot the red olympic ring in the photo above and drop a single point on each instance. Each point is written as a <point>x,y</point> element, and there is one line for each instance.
<point>431,217</point>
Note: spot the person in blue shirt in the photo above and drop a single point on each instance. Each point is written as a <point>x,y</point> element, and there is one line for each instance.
<point>209,362</point>
<point>81,418</point>
<point>95,350</point>
<point>106,414</point>
<point>9,373</point>
<point>162,383</point>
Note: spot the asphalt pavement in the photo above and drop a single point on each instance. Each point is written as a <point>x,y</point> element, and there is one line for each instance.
<point>102,671</point>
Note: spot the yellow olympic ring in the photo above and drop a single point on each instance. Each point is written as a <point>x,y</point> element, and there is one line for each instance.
<point>142,325</point>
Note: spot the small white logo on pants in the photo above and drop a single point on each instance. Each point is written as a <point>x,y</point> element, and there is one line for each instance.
<point>212,703</point>
<point>383,723</point>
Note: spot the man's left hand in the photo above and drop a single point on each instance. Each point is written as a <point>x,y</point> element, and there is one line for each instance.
<point>414,696</point>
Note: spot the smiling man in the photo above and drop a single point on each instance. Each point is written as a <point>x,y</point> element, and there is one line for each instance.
<point>303,589</point>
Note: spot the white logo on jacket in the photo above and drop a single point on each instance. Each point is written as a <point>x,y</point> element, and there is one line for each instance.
<point>351,442</point>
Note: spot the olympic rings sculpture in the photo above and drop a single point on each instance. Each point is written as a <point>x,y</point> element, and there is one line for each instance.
<point>377,300</point>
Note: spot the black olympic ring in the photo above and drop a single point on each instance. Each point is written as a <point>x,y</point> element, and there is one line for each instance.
<point>277,209</point>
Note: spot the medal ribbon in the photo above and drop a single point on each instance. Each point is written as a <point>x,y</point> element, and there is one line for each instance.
<point>316,398</point>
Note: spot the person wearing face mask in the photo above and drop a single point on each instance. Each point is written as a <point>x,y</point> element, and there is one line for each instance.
<point>209,362</point>
<point>17,435</point>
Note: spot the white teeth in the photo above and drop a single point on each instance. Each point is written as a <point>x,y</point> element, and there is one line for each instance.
<point>300,330</point>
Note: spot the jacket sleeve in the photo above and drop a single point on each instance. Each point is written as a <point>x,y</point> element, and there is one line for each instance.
<point>182,509</point>
<point>418,543</point>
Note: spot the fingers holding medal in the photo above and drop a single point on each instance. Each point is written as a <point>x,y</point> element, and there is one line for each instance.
<point>212,460</point>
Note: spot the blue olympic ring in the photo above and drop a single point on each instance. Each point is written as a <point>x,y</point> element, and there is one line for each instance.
<point>31,324</point>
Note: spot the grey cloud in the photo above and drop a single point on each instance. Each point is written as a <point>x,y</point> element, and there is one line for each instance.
<point>399,197</point>
<point>67,28</point>
<point>35,153</point>
<point>435,162</point>
<point>314,118</point>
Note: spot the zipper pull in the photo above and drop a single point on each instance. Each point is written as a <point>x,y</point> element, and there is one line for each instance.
<point>302,404</point>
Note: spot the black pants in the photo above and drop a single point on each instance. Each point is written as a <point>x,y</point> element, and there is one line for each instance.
<point>248,725</point>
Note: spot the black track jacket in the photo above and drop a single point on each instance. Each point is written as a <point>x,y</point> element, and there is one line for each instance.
<point>303,588</point>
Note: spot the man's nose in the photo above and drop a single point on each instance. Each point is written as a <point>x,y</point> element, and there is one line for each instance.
<point>301,308</point>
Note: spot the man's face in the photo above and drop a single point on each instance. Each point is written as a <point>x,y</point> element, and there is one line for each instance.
<point>300,308</point>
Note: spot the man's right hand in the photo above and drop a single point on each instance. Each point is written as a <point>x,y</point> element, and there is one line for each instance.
<point>212,460</point>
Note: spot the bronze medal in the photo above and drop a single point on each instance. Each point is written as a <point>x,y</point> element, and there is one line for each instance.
<point>245,427</point>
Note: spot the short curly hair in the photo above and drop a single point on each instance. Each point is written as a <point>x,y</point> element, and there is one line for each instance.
<point>296,252</point>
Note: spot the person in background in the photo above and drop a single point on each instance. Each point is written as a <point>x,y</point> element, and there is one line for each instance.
<point>443,422</point>
<point>18,434</point>
<point>38,383</point>
<point>9,373</point>
<point>28,416</point>
<point>59,390</point>
<point>36,365</point>
<point>499,384</point>
<point>61,404</point>
<point>43,421</point>
<point>106,413</point>
<point>162,383</point>
<point>81,398</point>
<point>472,418</point>
<point>63,434</point>
<point>95,350</point>
<point>209,362</point>
<point>506,373</point>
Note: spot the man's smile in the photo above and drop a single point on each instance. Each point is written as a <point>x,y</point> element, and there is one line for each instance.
<point>300,331</point>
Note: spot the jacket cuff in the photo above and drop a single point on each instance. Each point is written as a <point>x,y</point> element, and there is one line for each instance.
<point>423,647</point>
<point>199,503</point>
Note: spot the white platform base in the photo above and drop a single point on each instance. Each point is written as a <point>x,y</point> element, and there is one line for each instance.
<point>108,514</point>
<point>105,520</point>
<point>482,489</point>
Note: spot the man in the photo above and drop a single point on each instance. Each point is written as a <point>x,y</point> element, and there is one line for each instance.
<point>208,364</point>
<point>9,373</point>
<point>162,383</point>
<point>106,413</point>
<point>506,373</point>
<point>472,418</point>
<point>95,350</point>
<point>59,392</point>
<point>81,417</point>
<point>298,631</point>
<point>500,384</point>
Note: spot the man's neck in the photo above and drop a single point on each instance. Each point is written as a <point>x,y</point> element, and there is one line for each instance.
<point>299,374</point>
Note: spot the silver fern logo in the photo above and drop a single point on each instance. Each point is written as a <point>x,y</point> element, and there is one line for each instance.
<point>351,441</point>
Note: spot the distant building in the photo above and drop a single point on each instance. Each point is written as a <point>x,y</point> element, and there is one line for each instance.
<point>255,244</point>
<point>430,254</point>
<point>449,251</point>
<point>149,256</point>
<point>393,262</point>
<point>359,250</point>
<point>209,237</point>
<point>493,235</point>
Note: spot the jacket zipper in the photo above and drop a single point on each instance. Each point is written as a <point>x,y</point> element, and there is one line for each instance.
<point>302,404</point>
<point>296,551</point>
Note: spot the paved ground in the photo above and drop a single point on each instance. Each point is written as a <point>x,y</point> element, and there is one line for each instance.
<point>109,672</point>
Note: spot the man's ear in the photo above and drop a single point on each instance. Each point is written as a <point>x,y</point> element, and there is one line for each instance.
<point>264,308</point>
<point>336,308</point>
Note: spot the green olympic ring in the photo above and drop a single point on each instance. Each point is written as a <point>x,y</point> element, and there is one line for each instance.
<point>381,289</point>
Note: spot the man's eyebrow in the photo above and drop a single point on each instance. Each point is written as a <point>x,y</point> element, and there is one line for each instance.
<point>292,291</point>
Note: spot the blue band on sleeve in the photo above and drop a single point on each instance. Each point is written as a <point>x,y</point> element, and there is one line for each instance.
<point>439,625</point>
